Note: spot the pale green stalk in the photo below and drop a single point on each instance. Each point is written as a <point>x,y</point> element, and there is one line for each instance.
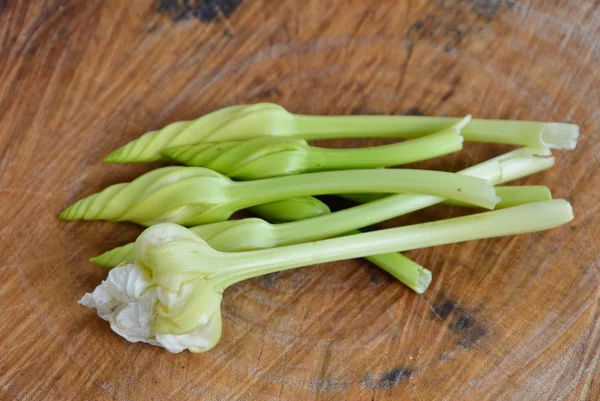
<point>408,272</point>
<point>195,195</point>
<point>268,156</point>
<point>517,164</point>
<point>175,286</point>
<point>402,268</point>
<point>174,257</point>
<point>520,219</point>
<point>399,266</point>
<point>237,123</point>
<point>509,196</point>
<point>248,234</point>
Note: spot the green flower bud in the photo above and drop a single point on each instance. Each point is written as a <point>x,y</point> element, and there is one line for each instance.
<point>234,122</point>
<point>244,122</point>
<point>195,195</point>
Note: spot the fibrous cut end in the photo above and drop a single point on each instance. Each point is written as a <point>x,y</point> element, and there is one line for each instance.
<point>560,135</point>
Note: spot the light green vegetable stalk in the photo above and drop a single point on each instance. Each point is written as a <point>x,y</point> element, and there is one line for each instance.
<point>238,123</point>
<point>402,268</point>
<point>273,156</point>
<point>175,286</point>
<point>399,266</point>
<point>522,162</point>
<point>407,271</point>
<point>509,196</point>
<point>294,209</point>
<point>269,156</point>
<point>249,234</point>
<point>195,195</point>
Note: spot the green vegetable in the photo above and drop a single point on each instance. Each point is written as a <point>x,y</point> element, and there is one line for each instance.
<point>399,266</point>
<point>408,272</point>
<point>195,195</point>
<point>521,163</point>
<point>248,234</point>
<point>243,122</point>
<point>404,269</point>
<point>264,157</point>
<point>509,196</point>
<point>192,276</point>
<point>294,209</point>
<point>268,156</point>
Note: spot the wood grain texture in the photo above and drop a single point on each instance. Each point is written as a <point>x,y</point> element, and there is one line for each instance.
<point>515,318</point>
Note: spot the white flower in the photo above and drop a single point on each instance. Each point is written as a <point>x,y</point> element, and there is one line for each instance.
<point>127,299</point>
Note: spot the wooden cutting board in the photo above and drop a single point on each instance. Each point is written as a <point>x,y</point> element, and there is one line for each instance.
<point>506,319</point>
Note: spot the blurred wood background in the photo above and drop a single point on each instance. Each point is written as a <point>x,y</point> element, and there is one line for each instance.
<point>506,319</point>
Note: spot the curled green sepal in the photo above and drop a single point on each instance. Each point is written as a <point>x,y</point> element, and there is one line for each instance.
<point>268,156</point>
<point>195,195</point>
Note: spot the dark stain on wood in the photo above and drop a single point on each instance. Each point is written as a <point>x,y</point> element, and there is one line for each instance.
<point>444,309</point>
<point>389,379</point>
<point>469,330</point>
<point>212,10</point>
<point>465,324</point>
<point>206,11</point>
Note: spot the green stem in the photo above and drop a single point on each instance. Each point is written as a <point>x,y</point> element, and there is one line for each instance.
<point>350,219</point>
<point>498,170</point>
<point>408,272</point>
<point>522,133</point>
<point>404,269</point>
<point>511,196</point>
<point>521,219</point>
<point>514,165</point>
<point>436,183</point>
<point>427,147</point>
<point>374,212</point>
<point>524,162</point>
